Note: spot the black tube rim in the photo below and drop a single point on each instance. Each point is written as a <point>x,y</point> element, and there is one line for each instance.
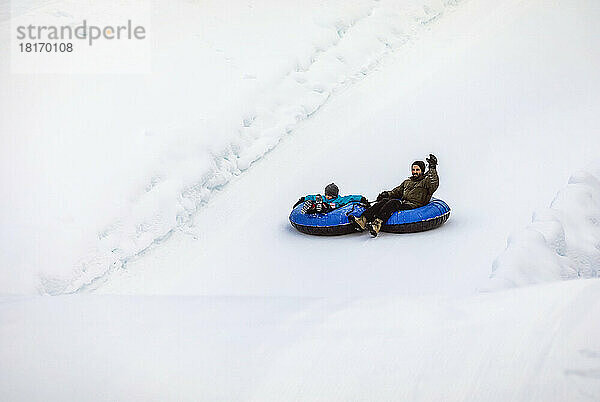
<point>337,230</point>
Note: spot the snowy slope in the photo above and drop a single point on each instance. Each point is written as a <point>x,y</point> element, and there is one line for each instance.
<point>234,304</point>
<point>485,90</point>
<point>127,159</point>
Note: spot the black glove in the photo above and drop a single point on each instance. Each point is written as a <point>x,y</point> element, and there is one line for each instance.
<point>382,195</point>
<point>432,160</point>
<point>323,208</point>
<point>300,201</point>
<point>320,207</point>
<point>364,201</point>
<point>308,207</point>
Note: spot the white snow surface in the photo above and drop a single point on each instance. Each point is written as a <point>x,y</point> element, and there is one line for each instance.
<point>529,344</point>
<point>160,203</point>
<point>127,159</point>
<point>484,90</point>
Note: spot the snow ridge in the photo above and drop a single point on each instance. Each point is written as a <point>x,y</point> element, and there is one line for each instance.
<point>562,242</point>
<point>351,49</point>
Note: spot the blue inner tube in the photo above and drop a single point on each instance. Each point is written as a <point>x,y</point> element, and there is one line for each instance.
<point>329,224</point>
<point>420,219</point>
<point>336,222</point>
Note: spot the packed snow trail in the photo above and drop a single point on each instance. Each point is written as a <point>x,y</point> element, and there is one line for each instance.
<point>484,90</point>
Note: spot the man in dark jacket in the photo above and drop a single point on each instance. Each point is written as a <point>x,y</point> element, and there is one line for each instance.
<point>414,192</point>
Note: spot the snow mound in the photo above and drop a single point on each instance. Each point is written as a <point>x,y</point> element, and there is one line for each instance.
<point>351,44</point>
<point>562,242</point>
